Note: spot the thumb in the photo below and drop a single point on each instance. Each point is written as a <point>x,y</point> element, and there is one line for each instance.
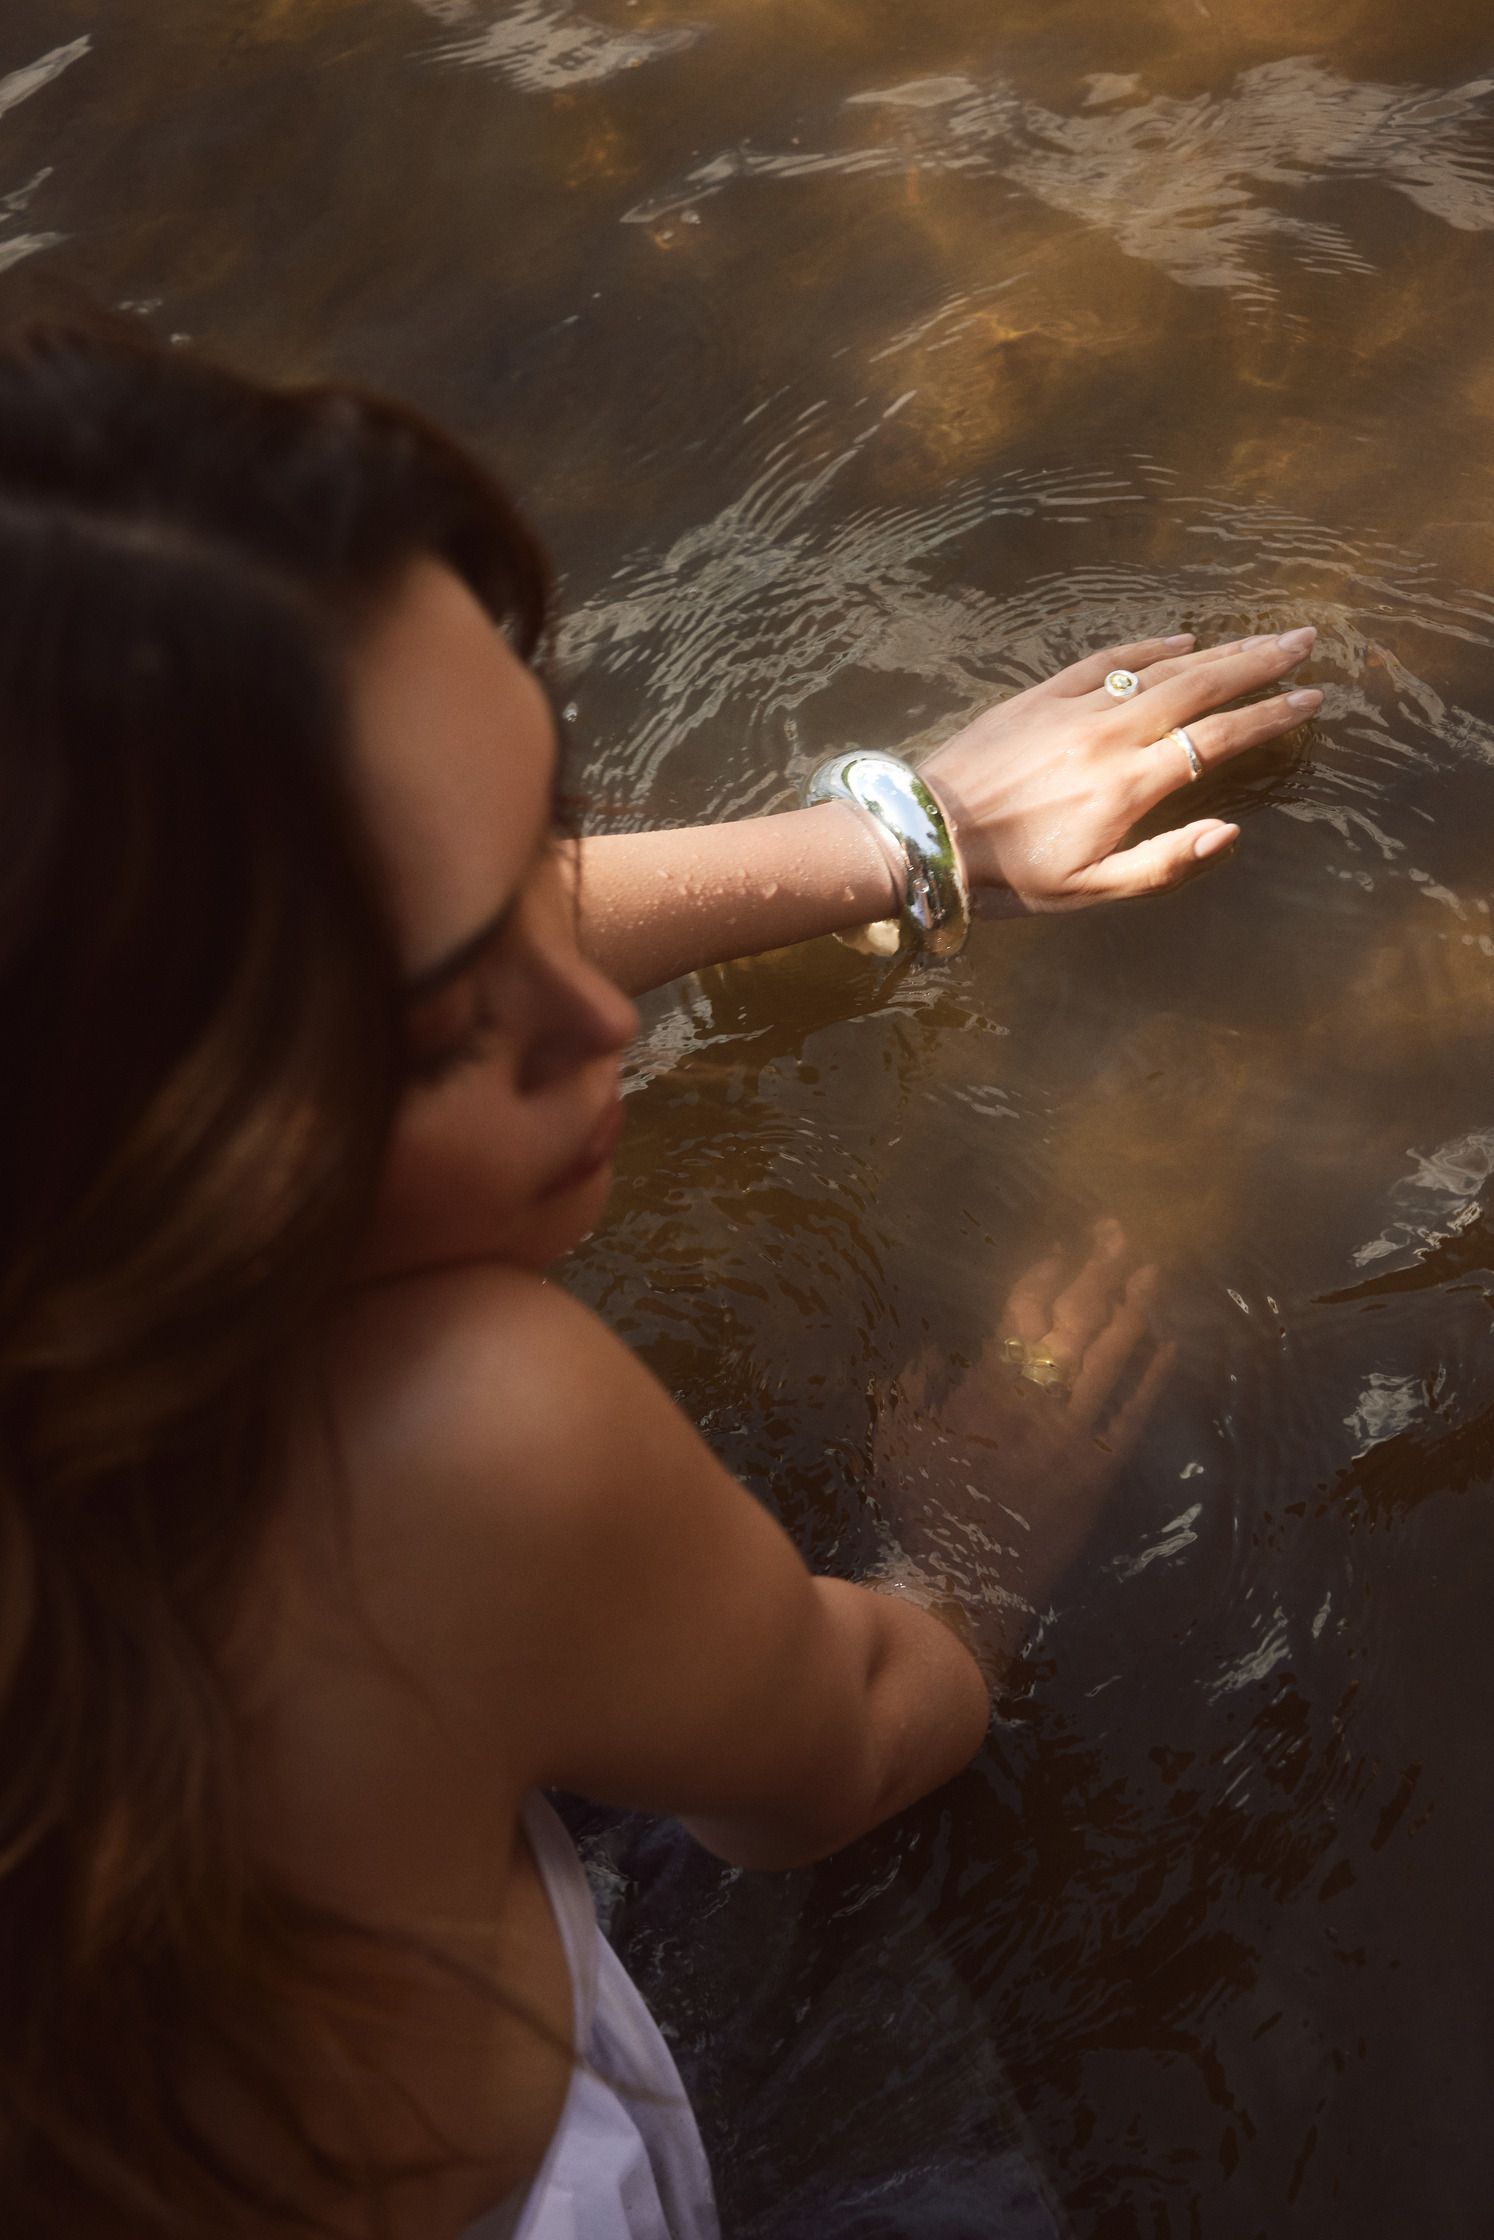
<point>1154,865</point>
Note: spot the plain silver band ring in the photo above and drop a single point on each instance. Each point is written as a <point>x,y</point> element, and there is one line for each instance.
<point>1123,684</point>
<point>1195,767</point>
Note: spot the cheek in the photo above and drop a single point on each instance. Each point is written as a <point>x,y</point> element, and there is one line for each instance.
<point>456,1155</point>
<point>456,1185</point>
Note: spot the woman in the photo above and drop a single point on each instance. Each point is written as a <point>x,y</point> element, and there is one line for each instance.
<point>329,1532</point>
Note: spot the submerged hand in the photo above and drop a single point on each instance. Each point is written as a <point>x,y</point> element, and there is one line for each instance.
<point>1041,788</point>
<point>992,1494</point>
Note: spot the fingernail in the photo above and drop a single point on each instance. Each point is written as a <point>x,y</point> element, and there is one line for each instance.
<point>1183,638</point>
<point>1304,699</point>
<point>1213,843</point>
<point>1246,644</point>
<point>1297,642</point>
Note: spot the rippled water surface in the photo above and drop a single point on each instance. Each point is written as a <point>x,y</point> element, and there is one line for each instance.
<point>862,362</point>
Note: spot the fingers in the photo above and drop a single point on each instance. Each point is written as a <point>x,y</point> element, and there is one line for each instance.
<point>1199,686</point>
<point>1158,672</point>
<point>1042,1323</point>
<point>1127,1424</point>
<point>1152,866</point>
<point>1105,1360</point>
<point>1082,1311</point>
<point>1090,673</point>
<point>1029,1310</point>
<point>1159,661</point>
<point>1162,765</point>
<point>1190,664</point>
<point>1160,768</point>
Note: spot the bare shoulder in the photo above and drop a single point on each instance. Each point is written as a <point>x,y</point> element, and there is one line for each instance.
<point>506,1456</point>
<point>540,1535</point>
<point>487,1398</point>
<point>464,1353</point>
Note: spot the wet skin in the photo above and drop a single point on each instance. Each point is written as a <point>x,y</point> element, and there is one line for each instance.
<point>502,1558</point>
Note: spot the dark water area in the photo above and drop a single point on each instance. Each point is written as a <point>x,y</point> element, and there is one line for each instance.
<point>861,363</point>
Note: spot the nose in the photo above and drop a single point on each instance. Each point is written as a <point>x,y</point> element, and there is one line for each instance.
<point>580,1016</point>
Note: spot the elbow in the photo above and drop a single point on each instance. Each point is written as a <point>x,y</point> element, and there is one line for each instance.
<point>807,1830</point>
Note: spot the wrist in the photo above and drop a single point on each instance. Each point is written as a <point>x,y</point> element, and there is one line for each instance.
<point>907,820</point>
<point>900,1580</point>
<point>858,868</point>
<point>968,831</point>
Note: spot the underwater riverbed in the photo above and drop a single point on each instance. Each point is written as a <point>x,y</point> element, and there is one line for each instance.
<point>860,363</point>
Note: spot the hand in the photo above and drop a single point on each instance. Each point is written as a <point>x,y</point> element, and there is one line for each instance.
<point>1040,789</point>
<point>992,1495</point>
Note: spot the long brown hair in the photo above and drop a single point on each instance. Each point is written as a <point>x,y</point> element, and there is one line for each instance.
<point>199,1021</point>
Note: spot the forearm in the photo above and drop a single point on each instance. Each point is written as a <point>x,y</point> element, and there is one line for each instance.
<point>654,905</point>
<point>921,1715</point>
<point>984,1529</point>
<point>1039,794</point>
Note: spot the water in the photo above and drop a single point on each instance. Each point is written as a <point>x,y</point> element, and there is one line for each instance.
<point>861,362</point>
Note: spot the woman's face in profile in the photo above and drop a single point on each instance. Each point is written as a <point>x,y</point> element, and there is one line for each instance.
<point>503,1143</point>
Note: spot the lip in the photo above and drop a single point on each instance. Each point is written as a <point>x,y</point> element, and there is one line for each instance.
<point>595,1153</point>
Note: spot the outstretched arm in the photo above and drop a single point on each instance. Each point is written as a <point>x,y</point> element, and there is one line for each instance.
<point>655,905</point>
<point>1039,792</point>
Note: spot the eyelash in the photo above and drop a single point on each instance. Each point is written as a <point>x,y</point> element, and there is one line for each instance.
<point>431,1072</point>
<point>469,1048</point>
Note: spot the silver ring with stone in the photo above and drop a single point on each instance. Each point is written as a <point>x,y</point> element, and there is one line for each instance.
<point>1123,684</point>
<point>1180,738</point>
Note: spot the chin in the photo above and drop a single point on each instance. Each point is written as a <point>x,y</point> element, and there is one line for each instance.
<point>557,1225</point>
<point>405,1241</point>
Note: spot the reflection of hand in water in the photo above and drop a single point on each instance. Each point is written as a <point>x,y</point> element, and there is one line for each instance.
<point>991,1493</point>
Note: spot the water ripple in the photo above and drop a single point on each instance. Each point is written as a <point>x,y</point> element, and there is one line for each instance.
<point>782,598</point>
<point>1191,185</point>
<point>18,86</point>
<point>548,49</point>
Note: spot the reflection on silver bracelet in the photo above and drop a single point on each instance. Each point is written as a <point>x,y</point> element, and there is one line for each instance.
<point>934,901</point>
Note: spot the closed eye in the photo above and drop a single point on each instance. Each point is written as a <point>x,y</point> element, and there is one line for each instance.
<point>447,1030</point>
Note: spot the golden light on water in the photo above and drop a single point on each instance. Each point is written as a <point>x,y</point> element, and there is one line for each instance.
<point>863,363</point>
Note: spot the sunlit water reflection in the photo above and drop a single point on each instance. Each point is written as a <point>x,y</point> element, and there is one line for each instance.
<point>862,364</point>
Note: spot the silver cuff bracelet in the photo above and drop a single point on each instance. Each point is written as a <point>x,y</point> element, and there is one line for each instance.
<point>934,913</point>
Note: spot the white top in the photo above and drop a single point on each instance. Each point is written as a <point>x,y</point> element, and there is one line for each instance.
<point>625,2162</point>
